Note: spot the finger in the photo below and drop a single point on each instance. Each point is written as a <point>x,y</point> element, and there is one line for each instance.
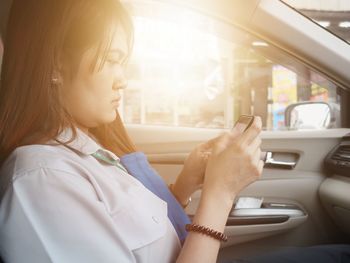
<point>254,130</point>
<point>210,143</point>
<point>254,145</point>
<point>206,155</point>
<point>263,156</point>
<point>256,156</point>
<point>230,136</point>
<point>240,127</point>
<point>220,143</point>
<point>260,167</point>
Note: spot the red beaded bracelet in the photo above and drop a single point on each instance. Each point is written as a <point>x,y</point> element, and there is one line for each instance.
<point>206,231</point>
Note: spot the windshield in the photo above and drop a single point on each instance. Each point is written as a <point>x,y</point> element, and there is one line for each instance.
<point>333,15</point>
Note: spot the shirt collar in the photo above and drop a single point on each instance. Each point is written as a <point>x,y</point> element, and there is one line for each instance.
<point>83,143</point>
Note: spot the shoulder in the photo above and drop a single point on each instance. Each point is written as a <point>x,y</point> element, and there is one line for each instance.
<point>37,164</point>
<point>29,158</point>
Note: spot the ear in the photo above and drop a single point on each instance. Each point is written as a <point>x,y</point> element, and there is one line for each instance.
<point>57,75</point>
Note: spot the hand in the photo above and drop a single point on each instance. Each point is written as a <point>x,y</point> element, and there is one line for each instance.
<point>192,175</point>
<point>234,162</point>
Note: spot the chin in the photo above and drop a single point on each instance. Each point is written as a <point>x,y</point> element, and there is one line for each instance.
<point>112,116</point>
<point>107,118</point>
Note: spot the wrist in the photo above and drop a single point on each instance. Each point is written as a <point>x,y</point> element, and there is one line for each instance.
<point>218,197</point>
<point>213,210</point>
<point>183,187</point>
<point>184,202</point>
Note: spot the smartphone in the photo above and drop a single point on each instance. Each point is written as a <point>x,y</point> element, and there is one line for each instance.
<point>247,120</point>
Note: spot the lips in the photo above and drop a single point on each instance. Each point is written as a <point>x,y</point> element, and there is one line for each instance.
<point>116,100</point>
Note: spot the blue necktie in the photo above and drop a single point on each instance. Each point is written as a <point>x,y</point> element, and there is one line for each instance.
<point>137,165</point>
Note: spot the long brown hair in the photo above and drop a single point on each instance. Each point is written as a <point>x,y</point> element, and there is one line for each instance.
<point>39,36</point>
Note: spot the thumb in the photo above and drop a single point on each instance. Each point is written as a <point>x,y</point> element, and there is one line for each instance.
<point>239,127</point>
<point>209,145</point>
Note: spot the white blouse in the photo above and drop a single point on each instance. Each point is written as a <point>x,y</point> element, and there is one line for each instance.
<point>63,205</point>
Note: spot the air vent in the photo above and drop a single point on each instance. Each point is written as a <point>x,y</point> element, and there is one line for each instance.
<point>338,160</point>
<point>342,154</point>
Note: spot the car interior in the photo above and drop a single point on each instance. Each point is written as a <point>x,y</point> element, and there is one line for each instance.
<point>302,196</point>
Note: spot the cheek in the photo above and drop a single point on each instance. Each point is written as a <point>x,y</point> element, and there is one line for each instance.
<point>101,96</point>
<point>89,97</point>
<point>100,88</point>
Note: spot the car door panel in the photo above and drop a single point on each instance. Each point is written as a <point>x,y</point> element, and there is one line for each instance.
<point>168,147</point>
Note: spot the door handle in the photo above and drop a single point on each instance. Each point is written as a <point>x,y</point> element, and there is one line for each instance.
<point>290,212</point>
<point>272,163</point>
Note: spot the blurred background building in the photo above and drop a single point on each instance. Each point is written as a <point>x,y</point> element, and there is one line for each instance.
<point>191,70</point>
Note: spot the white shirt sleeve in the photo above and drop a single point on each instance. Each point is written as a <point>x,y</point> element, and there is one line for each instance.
<point>58,218</point>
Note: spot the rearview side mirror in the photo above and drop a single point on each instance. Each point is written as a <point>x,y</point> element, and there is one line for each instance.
<point>308,115</point>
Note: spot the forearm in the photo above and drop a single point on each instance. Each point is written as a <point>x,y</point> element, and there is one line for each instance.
<point>234,163</point>
<point>183,188</point>
<point>212,212</point>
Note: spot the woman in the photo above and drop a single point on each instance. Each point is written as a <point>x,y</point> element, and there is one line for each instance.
<point>66,197</point>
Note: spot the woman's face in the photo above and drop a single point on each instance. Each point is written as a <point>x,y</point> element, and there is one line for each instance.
<point>93,98</point>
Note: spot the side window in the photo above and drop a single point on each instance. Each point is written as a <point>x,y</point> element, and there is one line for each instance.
<point>189,70</point>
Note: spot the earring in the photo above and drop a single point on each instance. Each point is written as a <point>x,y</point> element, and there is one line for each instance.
<point>56,79</point>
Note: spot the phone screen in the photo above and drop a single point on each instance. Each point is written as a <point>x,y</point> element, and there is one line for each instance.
<point>247,120</point>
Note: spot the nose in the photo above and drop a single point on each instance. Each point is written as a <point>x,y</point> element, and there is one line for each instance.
<point>120,84</point>
<point>120,81</point>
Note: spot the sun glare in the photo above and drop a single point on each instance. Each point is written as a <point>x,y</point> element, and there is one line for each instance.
<point>180,64</point>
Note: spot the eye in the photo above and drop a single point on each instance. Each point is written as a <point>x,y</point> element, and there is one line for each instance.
<point>114,62</point>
